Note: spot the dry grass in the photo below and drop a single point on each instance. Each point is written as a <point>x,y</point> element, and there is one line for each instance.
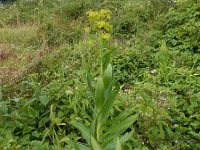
<point>16,58</point>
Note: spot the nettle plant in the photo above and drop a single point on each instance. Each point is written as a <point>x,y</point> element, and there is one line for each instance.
<point>105,132</point>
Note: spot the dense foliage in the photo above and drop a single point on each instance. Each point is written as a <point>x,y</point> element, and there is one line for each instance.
<point>146,53</point>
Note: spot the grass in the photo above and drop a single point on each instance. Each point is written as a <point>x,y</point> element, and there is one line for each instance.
<point>18,49</point>
<point>54,88</point>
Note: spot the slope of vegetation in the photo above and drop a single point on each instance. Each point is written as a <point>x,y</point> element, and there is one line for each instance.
<point>50,49</point>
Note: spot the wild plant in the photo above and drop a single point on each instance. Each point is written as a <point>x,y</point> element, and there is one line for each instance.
<point>104,132</point>
<point>163,59</point>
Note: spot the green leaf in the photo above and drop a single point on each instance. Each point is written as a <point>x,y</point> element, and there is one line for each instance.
<point>162,133</point>
<point>43,121</point>
<point>120,117</point>
<point>3,107</point>
<point>31,112</point>
<point>110,145</point>
<point>118,144</point>
<point>121,126</point>
<point>93,125</point>
<point>105,60</point>
<point>78,146</point>
<point>95,144</point>
<point>85,131</point>
<point>126,137</point>
<point>37,89</point>
<point>107,76</point>
<point>44,100</point>
<point>99,94</point>
<point>90,82</point>
<point>83,147</point>
<point>52,116</point>
<point>104,113</point>
<point>35,134</point>
<point>196,135</point>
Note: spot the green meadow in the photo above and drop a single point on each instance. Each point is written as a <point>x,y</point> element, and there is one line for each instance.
<point>100,75</point>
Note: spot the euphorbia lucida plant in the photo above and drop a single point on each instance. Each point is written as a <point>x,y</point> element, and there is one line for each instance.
<point>104,132</point>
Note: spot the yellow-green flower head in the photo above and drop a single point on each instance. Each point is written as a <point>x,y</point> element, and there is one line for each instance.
<point>103,25</point>
<point>98,22</point>
<point>104,14</point>
<point>105,36</point>
<point>92,16</point>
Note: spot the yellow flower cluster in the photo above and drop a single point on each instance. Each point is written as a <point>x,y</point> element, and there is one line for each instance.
<point>103,25</point>
<point>98,21</point>
<point>98,15</point>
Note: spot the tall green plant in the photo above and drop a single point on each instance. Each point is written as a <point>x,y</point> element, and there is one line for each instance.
<point>104,132</point>
<point>163,59</point>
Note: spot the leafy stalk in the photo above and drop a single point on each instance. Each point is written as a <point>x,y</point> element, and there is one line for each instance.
<point>104,132</point>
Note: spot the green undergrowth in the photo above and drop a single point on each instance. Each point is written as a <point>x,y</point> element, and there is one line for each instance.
<point>155,63</point>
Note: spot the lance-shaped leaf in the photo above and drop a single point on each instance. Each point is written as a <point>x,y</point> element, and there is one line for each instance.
<point>99,94</point>
<point>123,139</point>
<point>93,125</point>
<point>83,147</point>
<point>126,137</point>
<point>78,146</point>
<point>104,113</point>
<point>90,82</point>
<point>85,131</point>
<point>105,60</point>
<point>118,144</point>
<point>95,144</point>
<point>107,77</point>
<point>120,117</point>
<point>120,127</point>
